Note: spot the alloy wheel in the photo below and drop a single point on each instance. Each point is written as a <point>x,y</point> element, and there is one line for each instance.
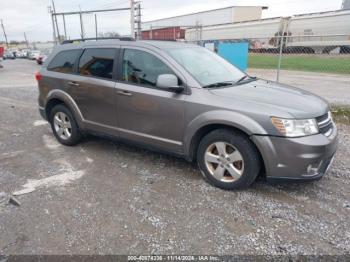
<point>224,162</point>
<point>62,125</point>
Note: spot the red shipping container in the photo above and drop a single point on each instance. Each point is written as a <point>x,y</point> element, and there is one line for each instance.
<point>169,33</point>
<point>2,50</point>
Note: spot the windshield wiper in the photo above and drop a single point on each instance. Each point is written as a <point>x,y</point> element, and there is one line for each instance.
<point>220,84</point>
<point>231,83</point>
<point>243,78</point>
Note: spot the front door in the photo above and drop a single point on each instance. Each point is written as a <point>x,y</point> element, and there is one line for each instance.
<point>145,113</point>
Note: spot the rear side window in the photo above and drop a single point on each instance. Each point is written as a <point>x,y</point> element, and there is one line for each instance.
<point>64,61</point>
<point>97,62</point>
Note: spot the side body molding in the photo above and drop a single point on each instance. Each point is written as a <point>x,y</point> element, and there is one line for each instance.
<point>69,101</point>
<point>228,118</point>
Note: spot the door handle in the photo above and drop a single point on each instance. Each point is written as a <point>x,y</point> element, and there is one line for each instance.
<point>73,83</point>
<point>124,93</point>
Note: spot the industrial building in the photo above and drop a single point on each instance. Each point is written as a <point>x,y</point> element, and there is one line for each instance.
<point>173,27</point>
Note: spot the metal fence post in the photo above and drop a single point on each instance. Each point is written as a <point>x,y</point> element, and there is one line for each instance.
<point>280,56</point>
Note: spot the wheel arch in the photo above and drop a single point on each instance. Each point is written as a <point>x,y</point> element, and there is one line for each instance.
<point>242,124</point>
<point>56,97</point>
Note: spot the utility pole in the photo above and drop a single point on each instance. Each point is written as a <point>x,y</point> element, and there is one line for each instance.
<point>25,38</point>
<point>54,10</point>
<point>53,26</point>
<point>81,24</point>
<point>64,27</point>
<point>138,21</point>
<point>3,29</point>
<point>132,18</point>
<point>280,53</point>
<point>96,26</point>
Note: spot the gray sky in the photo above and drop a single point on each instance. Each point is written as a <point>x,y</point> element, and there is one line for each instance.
<point>32,17</point>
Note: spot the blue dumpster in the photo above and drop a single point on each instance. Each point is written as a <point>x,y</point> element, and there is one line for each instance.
<point>235,53</point>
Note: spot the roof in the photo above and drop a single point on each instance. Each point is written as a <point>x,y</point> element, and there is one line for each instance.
<point>140,43</point>
<point>207,11</point>
<point>323,13</point>
<point>166,44</point>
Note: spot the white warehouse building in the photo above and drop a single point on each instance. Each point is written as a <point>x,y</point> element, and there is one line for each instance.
<point>231,14</point>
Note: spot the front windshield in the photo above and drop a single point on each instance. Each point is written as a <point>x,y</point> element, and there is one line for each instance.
<point>205,66</point>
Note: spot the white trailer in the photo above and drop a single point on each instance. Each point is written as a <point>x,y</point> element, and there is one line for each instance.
<point>263,28</point>
<point>318,32</point>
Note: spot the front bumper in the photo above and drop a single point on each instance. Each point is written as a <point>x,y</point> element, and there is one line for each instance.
<point>297,159</point>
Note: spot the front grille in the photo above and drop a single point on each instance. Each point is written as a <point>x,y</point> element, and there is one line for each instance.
<point>325,124</point>
<point>322,118</point>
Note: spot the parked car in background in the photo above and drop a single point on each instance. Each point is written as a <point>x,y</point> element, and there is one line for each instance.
<point>15,52</point>
<point>34,54</point>
<point>2,50</point>
<point>43,56</point>
<point>21,54</point>
<point>9,55</point>
<point>25,53</point>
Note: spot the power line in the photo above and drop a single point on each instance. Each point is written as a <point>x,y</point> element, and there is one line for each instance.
<point>92,11</point>
<point>134,6</point>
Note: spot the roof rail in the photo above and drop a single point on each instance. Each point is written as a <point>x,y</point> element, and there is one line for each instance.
<point>122,38</point>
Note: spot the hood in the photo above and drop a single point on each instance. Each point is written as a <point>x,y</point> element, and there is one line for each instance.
<point>297,102</point>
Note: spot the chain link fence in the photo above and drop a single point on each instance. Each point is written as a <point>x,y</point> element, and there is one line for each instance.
<point>315,54</point>
<point>325,54</point>
<point>317,63</point>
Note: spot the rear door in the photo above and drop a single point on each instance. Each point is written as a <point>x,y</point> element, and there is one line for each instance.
<point>93,90</point>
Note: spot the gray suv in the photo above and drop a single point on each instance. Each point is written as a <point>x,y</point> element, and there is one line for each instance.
<point>186,100</point>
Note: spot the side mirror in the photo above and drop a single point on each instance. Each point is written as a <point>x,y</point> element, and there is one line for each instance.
<point>169,82</point>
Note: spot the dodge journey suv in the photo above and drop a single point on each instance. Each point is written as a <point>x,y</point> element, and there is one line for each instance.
<point>186,100</point>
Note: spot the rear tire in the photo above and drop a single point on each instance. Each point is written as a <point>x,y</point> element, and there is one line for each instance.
<point>64,126</point>
<point>228,159</point>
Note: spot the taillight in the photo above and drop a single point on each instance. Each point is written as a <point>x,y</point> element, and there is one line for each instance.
<point>38,76</point>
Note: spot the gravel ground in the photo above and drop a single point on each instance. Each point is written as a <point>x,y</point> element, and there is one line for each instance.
<point>106,197</point>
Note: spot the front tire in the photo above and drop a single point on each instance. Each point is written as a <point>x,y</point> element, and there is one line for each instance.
<point>64,126</point>
<point>228,159</point>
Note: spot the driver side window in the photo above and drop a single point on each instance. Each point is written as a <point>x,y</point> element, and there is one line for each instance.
<point>142,68</point>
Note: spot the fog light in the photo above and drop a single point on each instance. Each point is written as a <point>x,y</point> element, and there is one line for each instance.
<point>312,169</point>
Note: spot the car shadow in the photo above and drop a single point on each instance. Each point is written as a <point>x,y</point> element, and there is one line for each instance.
<point>153,157</point>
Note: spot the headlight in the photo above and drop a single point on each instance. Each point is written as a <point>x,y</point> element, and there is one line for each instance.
<point>295,127</point>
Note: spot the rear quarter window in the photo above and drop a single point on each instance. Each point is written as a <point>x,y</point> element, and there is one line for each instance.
<point>64,61</point>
